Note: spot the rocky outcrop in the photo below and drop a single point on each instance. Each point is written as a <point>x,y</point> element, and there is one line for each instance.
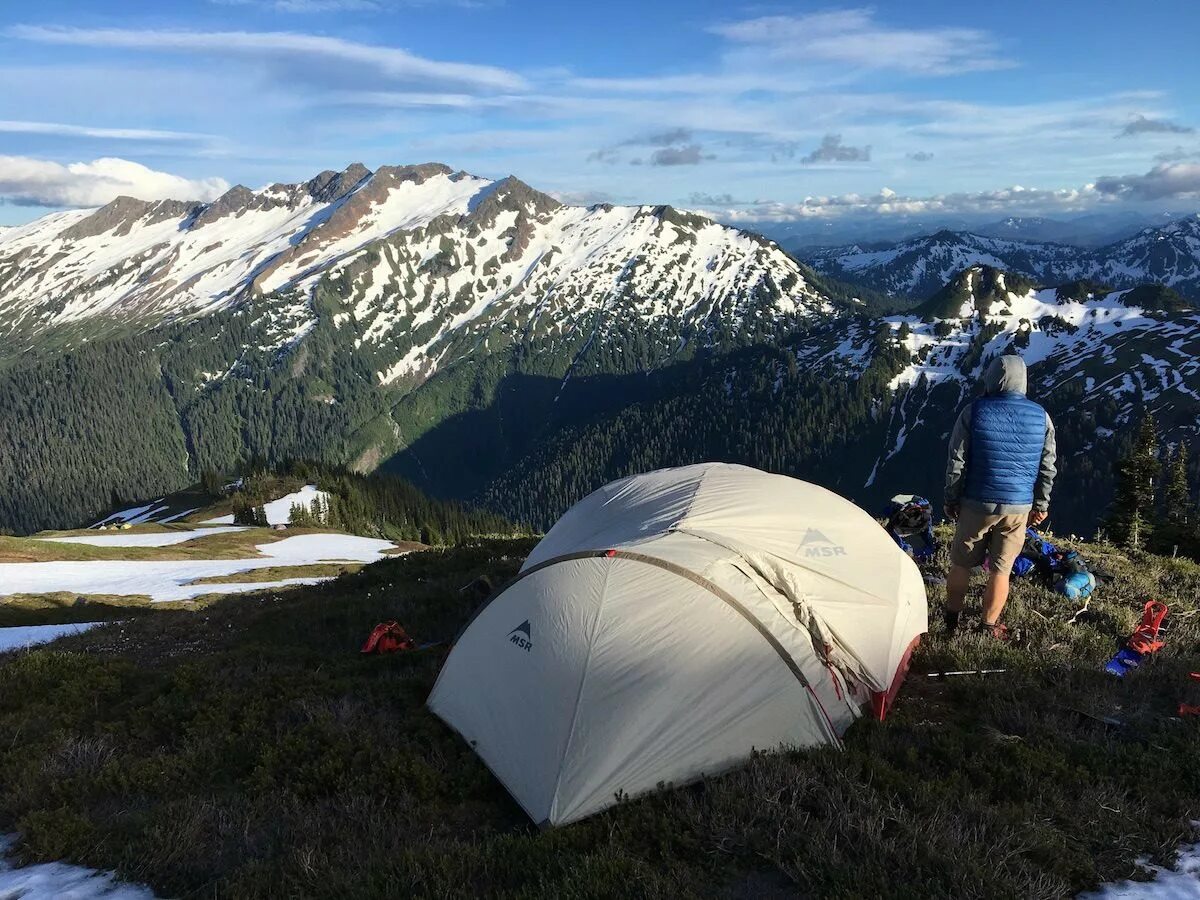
<point>121,214</point>
<point>329,185</point>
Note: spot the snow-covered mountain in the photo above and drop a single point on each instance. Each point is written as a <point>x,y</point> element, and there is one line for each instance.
<point>410,255</point>
<point>1098,360</point>
<point>1167,254</point>
<point>917,268</point>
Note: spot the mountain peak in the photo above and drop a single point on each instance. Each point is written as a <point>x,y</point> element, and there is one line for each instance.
<point>418,174</point>
<point>330,185</point>
<point>510,194</point>
<point>972,292</point>
<point>119,216</point>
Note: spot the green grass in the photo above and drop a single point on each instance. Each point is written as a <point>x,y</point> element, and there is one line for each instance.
<point>61,607</point>
<point>248,749</point>
<point>279,573</point>
<point>224,545</point>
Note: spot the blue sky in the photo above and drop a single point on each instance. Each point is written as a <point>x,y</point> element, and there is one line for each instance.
<point>752,112</point>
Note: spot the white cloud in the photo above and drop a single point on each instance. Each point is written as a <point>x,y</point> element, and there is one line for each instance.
<point>852,38</point>
<point>38,182</point>
<point>888,202</point>
<point>8,126</point>
<point>301,57</point>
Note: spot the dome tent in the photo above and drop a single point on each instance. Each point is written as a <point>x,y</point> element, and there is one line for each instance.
<point>672,622</point>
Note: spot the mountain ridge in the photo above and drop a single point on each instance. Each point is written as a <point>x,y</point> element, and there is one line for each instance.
<point>154,261</point>
<point>916,268</point>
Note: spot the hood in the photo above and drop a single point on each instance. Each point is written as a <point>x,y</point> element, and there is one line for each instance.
<point>1005,374</point>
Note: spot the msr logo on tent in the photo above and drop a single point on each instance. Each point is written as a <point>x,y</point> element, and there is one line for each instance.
<point>816,544</point>
<point>522,637</point>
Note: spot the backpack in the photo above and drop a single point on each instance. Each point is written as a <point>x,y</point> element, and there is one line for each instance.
<point>1063,570</point>
<point>910,524</point>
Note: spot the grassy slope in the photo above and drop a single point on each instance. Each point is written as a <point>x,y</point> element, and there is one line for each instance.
<point>248,749</point>
<point>225,545</point>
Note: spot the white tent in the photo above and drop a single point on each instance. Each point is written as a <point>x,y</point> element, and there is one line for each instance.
<point>669,624</point>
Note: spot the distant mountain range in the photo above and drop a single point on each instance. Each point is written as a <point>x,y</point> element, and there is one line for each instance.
<point>1094,229</point>
<point>917,268</point>
<point>494,345</point>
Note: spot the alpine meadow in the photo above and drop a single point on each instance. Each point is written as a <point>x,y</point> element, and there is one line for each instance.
<point>701,450</point>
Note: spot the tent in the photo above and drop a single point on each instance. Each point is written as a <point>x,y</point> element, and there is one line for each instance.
<point>673,622</point>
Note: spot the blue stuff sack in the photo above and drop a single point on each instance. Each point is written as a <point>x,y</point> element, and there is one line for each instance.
<point>1077,585</point>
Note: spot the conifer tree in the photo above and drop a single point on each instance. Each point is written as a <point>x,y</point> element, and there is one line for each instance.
<point>210,482</point>
<point>299,515</point>
<point>1177,493</point>
<point>1133,510</point>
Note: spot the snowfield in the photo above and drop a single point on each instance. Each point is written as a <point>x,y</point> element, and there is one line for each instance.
<point>170,579</point>
<point>62,881</point>
<point>306,548</point>
<point>20,636</point>
<point>279,511</point>
<point>1180,883</point>
<point>142,540</point>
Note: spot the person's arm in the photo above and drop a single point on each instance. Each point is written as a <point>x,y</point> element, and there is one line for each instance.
<point>956,462</point>
<point>1046,472</point>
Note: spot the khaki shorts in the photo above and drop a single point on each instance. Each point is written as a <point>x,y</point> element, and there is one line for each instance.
<point>978,535</point>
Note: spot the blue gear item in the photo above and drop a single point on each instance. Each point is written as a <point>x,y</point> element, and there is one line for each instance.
<point>1076,586</point>
<point>1022,566</point>
<point>1124,660</point>
<point>1066,571</point>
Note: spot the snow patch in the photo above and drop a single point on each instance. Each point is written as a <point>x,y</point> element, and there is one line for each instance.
<point>62,881</point>
<point>1180,883</point>
<point>171,579</point>
<point>22,636</point>
<point>142,540</point>
<point>279,511</point>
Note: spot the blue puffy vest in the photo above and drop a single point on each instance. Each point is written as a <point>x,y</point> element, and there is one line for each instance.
<point>1008,432</point>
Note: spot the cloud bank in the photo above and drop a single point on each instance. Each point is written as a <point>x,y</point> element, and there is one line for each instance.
<point>37,182</point>
<point>1167,182</point>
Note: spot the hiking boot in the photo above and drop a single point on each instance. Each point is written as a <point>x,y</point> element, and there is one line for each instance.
<point>951,617</point>
<point>997,631</point>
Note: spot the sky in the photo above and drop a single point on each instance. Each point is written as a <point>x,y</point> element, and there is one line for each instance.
<point>751,112</point>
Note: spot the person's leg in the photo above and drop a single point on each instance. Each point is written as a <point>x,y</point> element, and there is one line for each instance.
<point>966,552</point>
<point>995,595</point>
<point>956,587</point>
<point>1006,540</point>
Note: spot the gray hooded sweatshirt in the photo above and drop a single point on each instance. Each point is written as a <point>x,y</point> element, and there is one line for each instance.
<point>1005,374</point>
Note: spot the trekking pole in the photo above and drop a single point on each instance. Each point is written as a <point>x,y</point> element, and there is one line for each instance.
<point>965,672</point>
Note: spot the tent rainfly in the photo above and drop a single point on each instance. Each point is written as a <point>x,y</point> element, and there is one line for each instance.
<point>669,624</point>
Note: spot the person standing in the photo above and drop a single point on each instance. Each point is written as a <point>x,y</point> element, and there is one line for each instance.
<point>999,474</point>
